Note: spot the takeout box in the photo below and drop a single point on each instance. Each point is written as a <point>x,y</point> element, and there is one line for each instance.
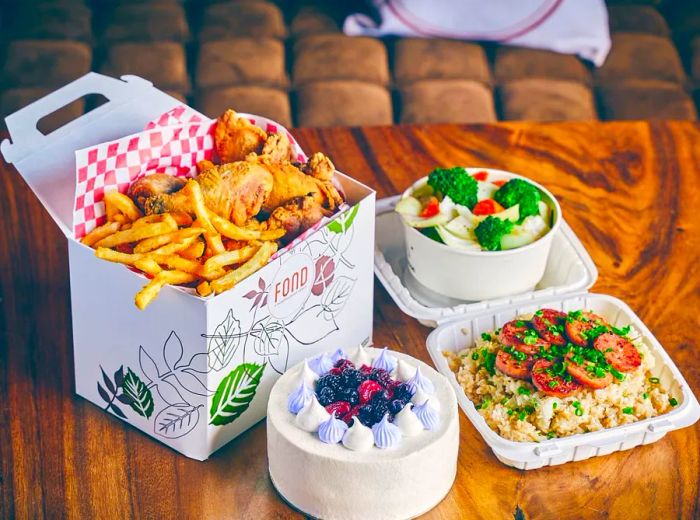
<point>569,274</point>
<point>191,372</point>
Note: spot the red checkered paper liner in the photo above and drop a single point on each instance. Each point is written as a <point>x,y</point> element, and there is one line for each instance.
<point>173,144</point>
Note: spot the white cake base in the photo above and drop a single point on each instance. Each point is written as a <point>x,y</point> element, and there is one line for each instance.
<point>332,482</point>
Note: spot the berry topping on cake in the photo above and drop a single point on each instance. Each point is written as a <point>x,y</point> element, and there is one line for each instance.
<point>367,389</point>
<point>339,408</point>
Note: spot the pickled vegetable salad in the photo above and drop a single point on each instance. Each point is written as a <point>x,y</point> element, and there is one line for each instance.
<point>470,212</point>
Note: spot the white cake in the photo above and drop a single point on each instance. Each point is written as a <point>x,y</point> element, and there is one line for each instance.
<point>347,475</point>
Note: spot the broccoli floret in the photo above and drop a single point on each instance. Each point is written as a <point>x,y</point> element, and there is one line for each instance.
<point>518,191</point>
<point>490,231</point>
<point>454,183</point>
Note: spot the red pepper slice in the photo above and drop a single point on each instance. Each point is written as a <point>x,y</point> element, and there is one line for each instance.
<point>487,207</point>
<point>498,183</point>
<point>431,209</point>
<point>481,176</point>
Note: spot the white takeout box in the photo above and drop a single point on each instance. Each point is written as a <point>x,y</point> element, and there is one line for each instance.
<point>569,274</point>
<point>197,371</point>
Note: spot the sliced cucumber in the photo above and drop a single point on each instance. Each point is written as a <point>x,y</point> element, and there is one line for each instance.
<point>419,222</point>
<point>409,206</point>
<point>461,227</point>
<point>517,238</point>
<point>425,190</point>
<point>457,242</point>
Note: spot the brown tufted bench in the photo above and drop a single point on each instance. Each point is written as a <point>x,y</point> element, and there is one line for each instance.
<point>40,63</point>
<point>268,102</point>
<point>242,18</point>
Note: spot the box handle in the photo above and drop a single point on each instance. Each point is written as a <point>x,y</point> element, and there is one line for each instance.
<point>22,125</point>
<point>547,451</point>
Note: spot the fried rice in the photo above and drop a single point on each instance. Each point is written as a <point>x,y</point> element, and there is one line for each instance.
<point>516,410</point>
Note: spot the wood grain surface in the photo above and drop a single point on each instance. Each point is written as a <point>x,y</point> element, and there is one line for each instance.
<point>630,192</point>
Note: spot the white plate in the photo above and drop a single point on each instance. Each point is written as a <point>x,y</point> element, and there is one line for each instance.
<point>569,269</point>
<point>461,333</point>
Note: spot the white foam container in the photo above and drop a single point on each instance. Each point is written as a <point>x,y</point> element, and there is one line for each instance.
<point>569,273</point>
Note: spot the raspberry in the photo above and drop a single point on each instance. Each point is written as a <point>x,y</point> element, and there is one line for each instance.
<point>365,369</point>
<point>335,371</point>
<point>367,389</point>
<point>352,413</point>
<point>343,364</point>
<point>339,407</point>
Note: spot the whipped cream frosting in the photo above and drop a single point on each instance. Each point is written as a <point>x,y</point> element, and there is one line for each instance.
<point>385,361</point>
<point>408,422</point>
<point>338,355</point>
<point>361,357</point>
<point>420,397</point>
<point>311,416</point>
<point>300,397</point>
<point>358,437</point>
<point>309,376</point>
<point>386,434</point>
<point>427,414</point>
<point>321,364</point>
<point>420,381</point>
<point>404,371</point>
<point>332,430</point>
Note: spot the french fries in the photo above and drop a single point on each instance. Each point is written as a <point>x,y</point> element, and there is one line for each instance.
<point>259,259</point>
<point>178,248</point>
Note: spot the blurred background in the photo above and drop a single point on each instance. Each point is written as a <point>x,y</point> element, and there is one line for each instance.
<point>290,61</point>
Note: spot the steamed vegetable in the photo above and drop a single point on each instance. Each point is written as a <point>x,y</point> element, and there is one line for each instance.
<point>456,184</point>
<point>518,191</point>
<point>490,231</point>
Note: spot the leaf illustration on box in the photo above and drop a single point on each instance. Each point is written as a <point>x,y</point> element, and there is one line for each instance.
<point>172,351</point>
<point>188,380</point>
<point>176,420</point>
<point>343,223</point>
<point>158,380</point>
<point>113,391</point>
<point>304,334</point>
<point>224,342</point>
<point>338,243</point>
<point>259,297</point>
<point>235,393</point>
<point>337,296</point>
<point>324,268</point>
<point>271,344</point>
<point>139,394</point>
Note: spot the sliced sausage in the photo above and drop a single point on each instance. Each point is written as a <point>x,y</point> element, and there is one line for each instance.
<point>575,328</point>
<point>534,348</point>
<point>549,324</point>
<point>513,332</point>
<point>618,351</point>
<point>551,384</point>
<point>510,366</point>
<point>585,377</point>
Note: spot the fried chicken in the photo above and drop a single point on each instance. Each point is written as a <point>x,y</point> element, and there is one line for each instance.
<point>296,216</point>
<point>236,137</point>
<point>235,191</point>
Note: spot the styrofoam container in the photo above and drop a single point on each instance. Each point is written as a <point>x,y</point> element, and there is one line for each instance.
<point>458,334</point>
<point>198,371</point>
<point>480,275</point>
<point>569,269</point>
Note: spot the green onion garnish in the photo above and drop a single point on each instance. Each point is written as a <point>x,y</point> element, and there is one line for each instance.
<point>628,410</point>
<point>578,412</point>
<point>654,380</point>
<point>550,435</point>
<point>486,336</point>
<point>554,405</point>
<point>645,395</point>
<point>475,356</point>
<point>673,401</point>
<point>523,390</point>
<point>552,384</point>
<point>521,416</point>
<point>505,400</point>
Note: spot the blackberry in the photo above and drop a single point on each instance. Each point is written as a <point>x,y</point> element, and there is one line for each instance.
<point>380,407</point>
<point>353,397</point>
<point>396,406</point>
<point>351,377</point>
<point>344,363</point>
<point>403,392</point>
<point>381,376</point>
<point>366,415</point>
<point>326,396</point>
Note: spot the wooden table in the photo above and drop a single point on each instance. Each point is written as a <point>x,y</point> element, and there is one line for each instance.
<point>630,192</point>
